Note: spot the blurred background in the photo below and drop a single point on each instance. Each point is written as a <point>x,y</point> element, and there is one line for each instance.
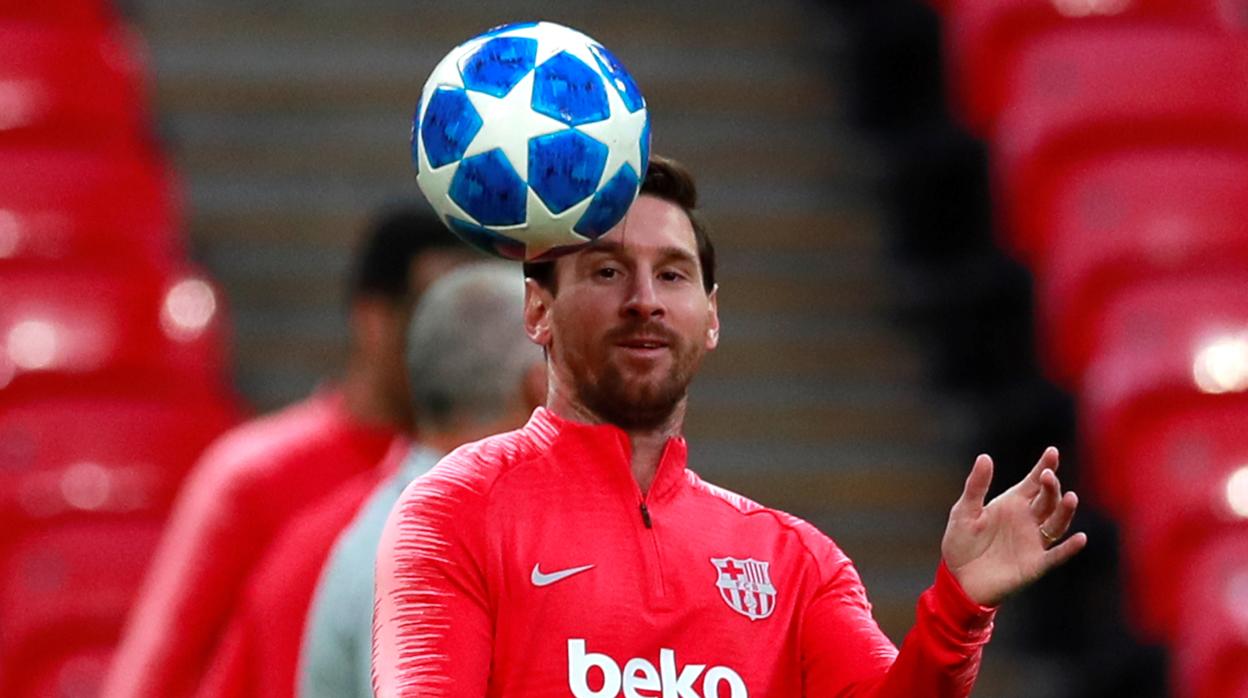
<point>945,228</point>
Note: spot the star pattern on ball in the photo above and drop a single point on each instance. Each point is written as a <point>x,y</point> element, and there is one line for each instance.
<point>553,39</point>
<point>510,126</point>
<point>446,72</point>
<point>509,123</point>
<point>439,181</point>
<point>547,230</point>
<point>631,124</point>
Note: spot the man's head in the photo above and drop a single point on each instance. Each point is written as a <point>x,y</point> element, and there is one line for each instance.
<point>473,371</point>
<point>401,252</point>
<point>627,320</point>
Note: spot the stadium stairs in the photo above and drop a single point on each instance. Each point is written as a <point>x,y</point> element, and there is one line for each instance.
<point>289,121</point>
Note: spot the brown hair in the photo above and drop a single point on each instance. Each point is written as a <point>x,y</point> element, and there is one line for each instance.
<point>668,180</point>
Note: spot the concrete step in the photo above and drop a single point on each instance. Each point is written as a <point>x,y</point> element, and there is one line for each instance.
<point>738,24</point>
<point>358,143</point>
<point>852,230</point>
<point>821,423</point>
<point>233,72</point>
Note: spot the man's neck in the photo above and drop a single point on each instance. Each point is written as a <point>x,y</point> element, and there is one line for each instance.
<point>447,437</point>
<point>646,445</point>
<point>364,400</point>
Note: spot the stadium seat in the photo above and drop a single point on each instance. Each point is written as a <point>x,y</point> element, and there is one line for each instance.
<point>1079,96</point>
<point>99,456</point>
<point>75,13</point>
<point>1164,347</point>
<point>88,207</point>
<point>70,88</point>
<point>1130,216</point>
<point>1187,481</point>
<point>65,329</point>
<point>67,588</point>
<point>1211,651</point>
<point>982,40</point>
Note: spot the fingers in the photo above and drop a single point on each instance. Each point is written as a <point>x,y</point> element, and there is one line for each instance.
<point>1058,523</point>
<point>1045,501</point>
<point>1032,483</point>
<point>977,484</point>
<point>1059,554</point>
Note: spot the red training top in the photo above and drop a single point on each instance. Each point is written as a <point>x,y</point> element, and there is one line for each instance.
<point>259,655</point>
<point>244,488</point>
<point>530,564</point>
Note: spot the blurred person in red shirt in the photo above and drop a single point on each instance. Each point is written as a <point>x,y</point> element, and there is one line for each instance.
<point>472,373</point>
<point>579,555</point>
<point>253,479</point>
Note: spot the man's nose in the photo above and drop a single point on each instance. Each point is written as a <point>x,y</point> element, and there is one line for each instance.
<point>643,300</point>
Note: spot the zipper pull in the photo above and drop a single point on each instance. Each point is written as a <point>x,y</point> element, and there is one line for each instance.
<point>645,516</point>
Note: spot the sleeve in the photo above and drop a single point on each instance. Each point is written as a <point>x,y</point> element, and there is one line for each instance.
<point>846,654</point>
<point>183,606</point>
<point>433,615</point>
<point>227,673</point>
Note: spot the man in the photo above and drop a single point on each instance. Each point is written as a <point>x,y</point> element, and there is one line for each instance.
<point>473,373</point>
<point>254,478</point>
<point>467,351</point>
<point>579,554</point>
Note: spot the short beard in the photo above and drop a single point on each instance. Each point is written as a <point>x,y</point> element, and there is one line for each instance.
<point>648,406</point>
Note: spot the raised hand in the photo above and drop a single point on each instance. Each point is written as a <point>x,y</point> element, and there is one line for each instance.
<point>997,549</point>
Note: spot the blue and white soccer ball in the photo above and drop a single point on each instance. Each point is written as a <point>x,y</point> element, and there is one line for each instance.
<point>530,140</point>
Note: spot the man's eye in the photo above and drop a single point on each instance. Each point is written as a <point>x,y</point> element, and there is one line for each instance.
<point>671,276</point>
<point>608,272</point>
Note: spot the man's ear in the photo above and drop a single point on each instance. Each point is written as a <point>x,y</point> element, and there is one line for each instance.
<point>537,302</point>
<point>712,328</point>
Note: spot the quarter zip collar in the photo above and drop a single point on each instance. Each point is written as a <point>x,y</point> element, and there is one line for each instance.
<point>604,451</point>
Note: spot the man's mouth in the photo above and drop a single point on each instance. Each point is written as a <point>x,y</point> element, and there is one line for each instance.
<point>643,343</point>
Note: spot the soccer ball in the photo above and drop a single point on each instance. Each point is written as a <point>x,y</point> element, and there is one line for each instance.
<point>530,140</point>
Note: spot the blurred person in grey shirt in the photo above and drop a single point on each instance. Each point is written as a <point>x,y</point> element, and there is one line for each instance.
<point>473,373</point>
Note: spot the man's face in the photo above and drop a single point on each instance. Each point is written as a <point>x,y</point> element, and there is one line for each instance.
<point>630,321</point>
<point>387,322</point>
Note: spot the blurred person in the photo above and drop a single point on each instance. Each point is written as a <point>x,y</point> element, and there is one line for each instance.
<point>469,363</point>
<point>254,478</point>
<point>579,554</point>
<point>474,373</point>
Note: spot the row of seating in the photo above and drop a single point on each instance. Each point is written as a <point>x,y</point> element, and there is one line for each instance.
<point>113,376</point>
<point>1118,135</point>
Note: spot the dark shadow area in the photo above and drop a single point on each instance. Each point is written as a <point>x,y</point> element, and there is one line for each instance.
<point>970,306</point>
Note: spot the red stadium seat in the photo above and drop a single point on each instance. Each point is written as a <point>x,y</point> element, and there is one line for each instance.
<point>73,329</point>
<point>983,38</point>
<point>81,13</point>
<point>116,211</point>
<point>1132,216</point>
<point>67,588</point>
<point>70,88</point>
<point>1165,347</point>
<point>99,456</point>
<point>1188,481</point>
<point>1082,95</point>
<point>1211,653</point>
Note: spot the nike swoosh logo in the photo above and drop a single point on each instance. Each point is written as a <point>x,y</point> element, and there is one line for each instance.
<point>541,580</point>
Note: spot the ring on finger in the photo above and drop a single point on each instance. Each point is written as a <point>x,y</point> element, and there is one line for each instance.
<point>1048,537</point>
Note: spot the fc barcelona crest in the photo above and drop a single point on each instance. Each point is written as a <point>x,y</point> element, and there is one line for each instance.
<point>745,585</point>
